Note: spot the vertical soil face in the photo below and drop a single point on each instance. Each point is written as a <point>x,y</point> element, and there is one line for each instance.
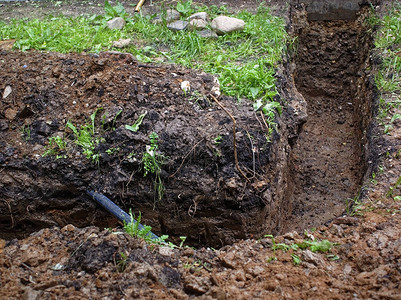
<point>328,159</point>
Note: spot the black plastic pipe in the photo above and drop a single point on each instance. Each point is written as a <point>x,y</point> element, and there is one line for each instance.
<point>116,211</point>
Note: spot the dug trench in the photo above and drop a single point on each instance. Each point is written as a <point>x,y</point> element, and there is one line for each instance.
<point>296,178</point>
<point>334,153</point>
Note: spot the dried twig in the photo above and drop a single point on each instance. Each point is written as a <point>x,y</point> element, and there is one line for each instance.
<point>253,154</point>
<point>234,138</point>
<point>11,213</point>
<point>264,121</point>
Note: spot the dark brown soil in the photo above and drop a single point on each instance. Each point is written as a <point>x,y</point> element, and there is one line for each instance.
<point>203,189</point>
<point>299,180</point>
<point>329,160</point>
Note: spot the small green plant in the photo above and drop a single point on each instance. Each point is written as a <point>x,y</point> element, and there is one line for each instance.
<point>112,151</point>
<point>197,265</point>
<point>296,259</point>
<point>122,262</point>
<point>85,138</point>
<point>217,140</point>
<point>183,239</point>
<point>316,246</point>
<point>152,161</point>
<point>394,187</point>
<point>26,132</point>
<point>185,8</point>
<point>55,146</point>
<point>353,206</point>
<point>132,228</point>
<point>117,10</point>
<point>135,126</point>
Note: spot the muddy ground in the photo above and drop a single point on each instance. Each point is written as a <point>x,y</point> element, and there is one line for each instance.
<point>299,181</point>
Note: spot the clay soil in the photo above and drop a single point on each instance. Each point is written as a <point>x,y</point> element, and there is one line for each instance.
<point>54,244</point>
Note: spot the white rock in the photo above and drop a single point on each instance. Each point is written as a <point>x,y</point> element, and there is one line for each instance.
<point>7,91</point>
<point>116,23</point>
<point>121,43</point>
<point>223,24</point>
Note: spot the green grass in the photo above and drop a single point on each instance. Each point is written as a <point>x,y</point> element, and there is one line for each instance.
<point>244,61</point>
<point>388,45</point>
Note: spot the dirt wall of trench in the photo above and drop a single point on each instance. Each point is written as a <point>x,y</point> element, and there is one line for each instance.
<point>205,197</point>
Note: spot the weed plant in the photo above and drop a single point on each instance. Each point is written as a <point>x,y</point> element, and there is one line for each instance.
<point>132,228</point>
<point>152,161</point>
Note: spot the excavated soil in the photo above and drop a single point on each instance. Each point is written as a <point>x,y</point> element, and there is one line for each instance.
<point>205,198</point>
<point>323,150</point>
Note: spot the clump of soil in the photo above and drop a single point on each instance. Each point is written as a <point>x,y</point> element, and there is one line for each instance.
<point>205,196</point>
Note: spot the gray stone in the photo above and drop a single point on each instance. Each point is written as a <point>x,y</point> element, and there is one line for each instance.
<point>313,258</point>
<point>223,24</point>
<point>197,24</point>
<point>206,33</point>
<point>198,16</point>
<point>172,15</point>
<point>178,25</point>
<point>116,23</point>
<point>121,43</point>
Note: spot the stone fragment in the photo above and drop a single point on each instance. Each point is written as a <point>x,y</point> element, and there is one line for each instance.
<point>313,258</point>
<point>198,285</point>
<point>199,15</point>
<point>223,24</point>
<point>166,251</point>
<point>10,113</point>
<point>3,125</point>
<point>206,33</point>
<point>178,25</point>
<point>7,91</point>
<point>116,23</point>
<point>172,15</point>
<point>229,260</point>
<point>197,24</point>
<point>121,43</point>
